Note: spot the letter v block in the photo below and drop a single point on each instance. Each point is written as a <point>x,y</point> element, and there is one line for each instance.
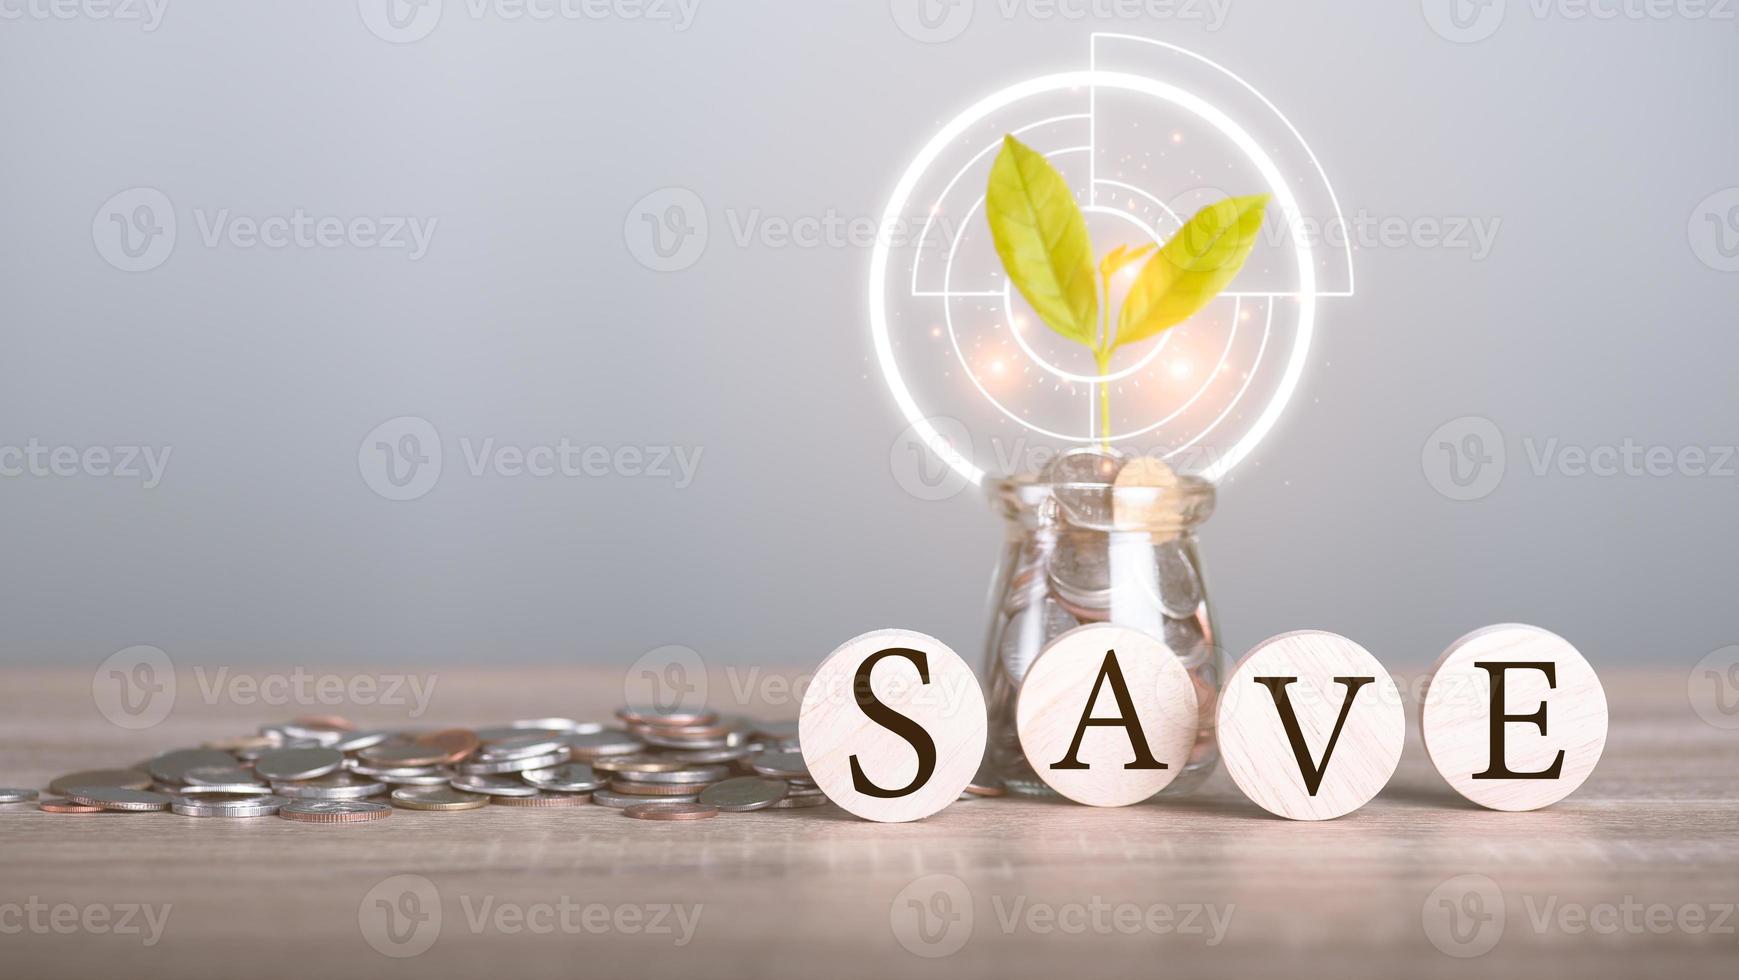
<point>1107,715</point>
<point>1311,725</point>
<point>1514,717</point>
<point>893,726</point>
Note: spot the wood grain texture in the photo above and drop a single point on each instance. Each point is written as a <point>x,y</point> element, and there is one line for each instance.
<point>1559,720</point>
<point>837,732</point>
<point>1076,681</point>
<point>807,893</point>
<point>1256,745</point>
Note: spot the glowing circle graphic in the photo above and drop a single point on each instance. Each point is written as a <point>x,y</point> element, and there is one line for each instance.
<point>1146,135</point>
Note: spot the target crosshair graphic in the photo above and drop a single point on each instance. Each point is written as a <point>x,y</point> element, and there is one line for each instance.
<point>939,300</point>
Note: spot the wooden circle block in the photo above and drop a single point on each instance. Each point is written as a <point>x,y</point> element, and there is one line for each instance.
<point>1107,715</point>
<point>893,726</point>
<point>1514,717</point>
<point>1311,725</point>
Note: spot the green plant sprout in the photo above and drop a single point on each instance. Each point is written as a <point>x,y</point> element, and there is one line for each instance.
<point>1041,237</point>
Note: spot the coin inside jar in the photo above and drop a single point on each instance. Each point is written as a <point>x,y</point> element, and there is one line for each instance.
<point>744,793</point>
<point>670,811</point>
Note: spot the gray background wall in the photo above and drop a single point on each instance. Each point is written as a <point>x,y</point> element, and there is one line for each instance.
<point>1604,312</point>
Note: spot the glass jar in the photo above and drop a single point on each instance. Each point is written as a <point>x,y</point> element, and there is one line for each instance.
<point>1095,552</point>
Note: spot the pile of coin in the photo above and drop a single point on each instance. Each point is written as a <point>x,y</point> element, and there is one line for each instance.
<point>656,765</point>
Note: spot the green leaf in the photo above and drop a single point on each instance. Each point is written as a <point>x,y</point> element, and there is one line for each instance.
<point>1120,257</point>
<point>1042,239</point>
<point>1194,267</point>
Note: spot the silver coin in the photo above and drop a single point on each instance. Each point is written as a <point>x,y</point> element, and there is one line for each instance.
<point>575,777</point>
<point>440,777</point>
<point>745,793</point>
<point>332,786</point>
<point>693,756</point>
<point>794,802</point>
<point>665,741</point>
<point>493,767</point>
<point>234,806</point>
<point>333,811</point>
<point>651,715</point>
<point>564,725</point>
<point>1180,588</point>
<point>605,797</point>
<point>530,744</point>
<point>323,737</point>
<point>282,765</point>
<point>696,774</point>
<point>438,798</point>
<point>171,767</point>
<point>222,789</point>
<point>780,765</point>
<point>493,785</point>
<point>363,768</point>
<point>589,745</point>
<point>9,795</point>
<point>357,741</point>
<point>116,798</point>
<point>218,776</point>
<point>250,753</point>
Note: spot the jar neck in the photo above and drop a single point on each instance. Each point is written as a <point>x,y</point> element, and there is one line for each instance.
<point>1031,507</point>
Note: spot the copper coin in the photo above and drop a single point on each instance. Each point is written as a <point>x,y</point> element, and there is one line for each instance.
<point>118,798</point>
<point>544,799</point>
<point>670,811</point>
<point>639,763</point>
<point>337,723</point>
<point>66,806</point>
<point>401,755</point>
<point>632,788</point>
<point>456,742</point>
<point>334,811</point>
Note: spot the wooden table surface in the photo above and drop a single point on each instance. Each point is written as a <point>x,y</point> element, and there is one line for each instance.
<point>1634,875</point>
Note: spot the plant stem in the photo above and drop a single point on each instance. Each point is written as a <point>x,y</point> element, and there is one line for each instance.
<point>1102,357</point>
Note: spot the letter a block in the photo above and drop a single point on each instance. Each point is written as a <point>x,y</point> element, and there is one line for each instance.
<point>1514,718</point>
<point>893,726</point>
<point>1311,725</point>
<point>1107,715</point>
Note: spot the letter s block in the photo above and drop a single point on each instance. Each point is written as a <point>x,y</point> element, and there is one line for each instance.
<point>893,726</point>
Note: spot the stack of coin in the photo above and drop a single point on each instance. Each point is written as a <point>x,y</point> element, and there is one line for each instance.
<point>659,765</point>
